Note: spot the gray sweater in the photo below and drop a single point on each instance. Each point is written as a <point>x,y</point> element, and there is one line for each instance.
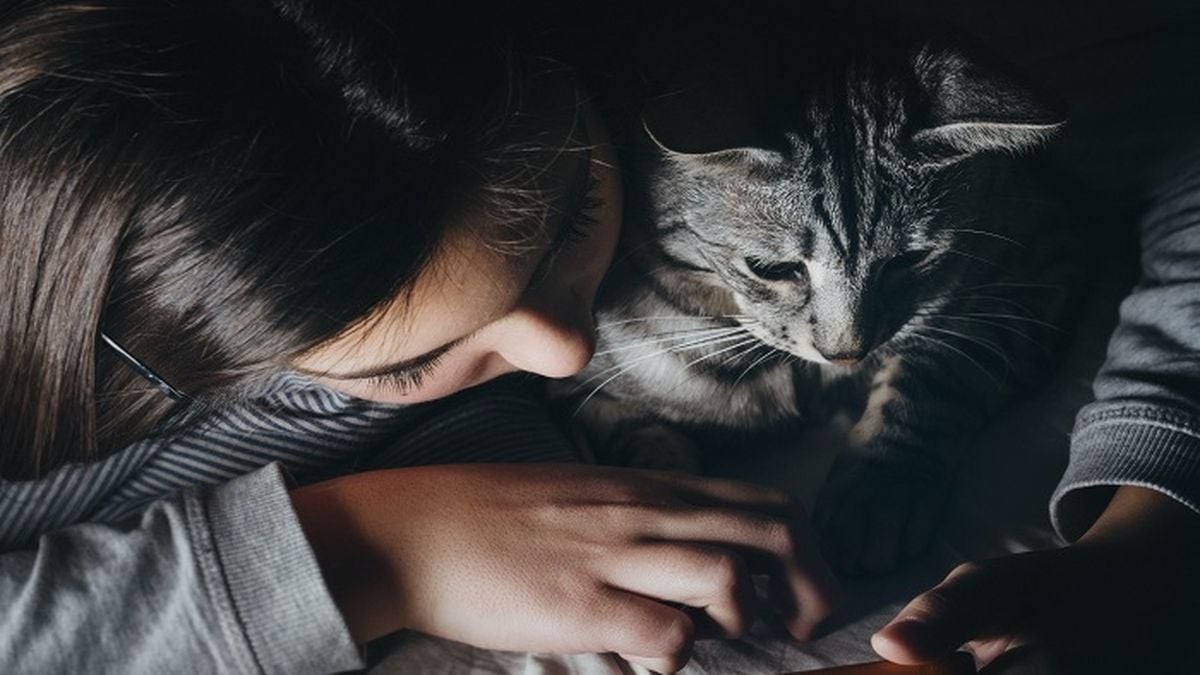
<point>1144,426</point>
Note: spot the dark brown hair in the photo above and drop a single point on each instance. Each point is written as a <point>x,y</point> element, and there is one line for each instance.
<point>219,187</point>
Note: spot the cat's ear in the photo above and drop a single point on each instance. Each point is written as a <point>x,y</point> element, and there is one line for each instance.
<point>745,156</point>
<point>708,117</point>
<point>973,108</point>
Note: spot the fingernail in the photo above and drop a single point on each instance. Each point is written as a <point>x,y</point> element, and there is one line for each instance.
<point>910,632</point>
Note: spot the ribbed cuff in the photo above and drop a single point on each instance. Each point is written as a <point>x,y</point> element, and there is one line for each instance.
<point>274,584</point>
<point>1120,444</point>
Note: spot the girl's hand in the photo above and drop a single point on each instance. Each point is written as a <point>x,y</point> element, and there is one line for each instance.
<point>562,558</point>
<point>1124,599</point>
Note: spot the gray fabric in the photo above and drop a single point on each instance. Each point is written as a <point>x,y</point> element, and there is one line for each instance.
<point>311,430</point>
<point>213,581</point>
<point>215,574</point>
<point>1144,426</point>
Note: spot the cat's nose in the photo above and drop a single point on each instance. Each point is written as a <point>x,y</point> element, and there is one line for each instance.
<point>848,358</point>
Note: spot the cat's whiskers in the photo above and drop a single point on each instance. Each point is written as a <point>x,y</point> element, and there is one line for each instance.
<point>675,317</point>
<point>771,351</point>
<point>986,233</point>
<point>742,354</point>
<point>979,258</point>
<point>1013,284</point>
<point>971,319</point>
<point>627,367</point>
<point>694,342</point>
<point>1026,317</point>
<point>696,360</point>
<point>722,335</point>
<point>982,298</point>
<point>753,343</point>
<point>623,368</point>
<point>914,331</point>
<point>1013,317</point>
<point>1042,346</point>
<point>667,337</point>
<point>986,344</point>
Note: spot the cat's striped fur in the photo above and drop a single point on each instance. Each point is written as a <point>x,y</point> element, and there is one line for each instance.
<point>867,240</point>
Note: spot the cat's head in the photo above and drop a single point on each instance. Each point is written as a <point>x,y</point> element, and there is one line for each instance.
<point>830,206</point>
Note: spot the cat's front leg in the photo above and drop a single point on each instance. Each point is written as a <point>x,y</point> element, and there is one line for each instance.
<point>884,498</point>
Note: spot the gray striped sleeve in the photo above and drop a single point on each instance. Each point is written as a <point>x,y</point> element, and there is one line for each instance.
<point>501,422</point>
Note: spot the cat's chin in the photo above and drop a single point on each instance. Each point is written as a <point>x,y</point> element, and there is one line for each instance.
<point>812,356</point>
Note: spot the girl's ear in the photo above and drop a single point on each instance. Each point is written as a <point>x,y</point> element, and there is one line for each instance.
<point>971,108</point>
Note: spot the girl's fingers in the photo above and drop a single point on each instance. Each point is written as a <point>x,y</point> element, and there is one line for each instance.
<point>988,650</point>
<point>811,595</point>
<point>643,631</point>
<point>783,548</point>
<point>975,602</point>
<point>725,493</point>
<point>711,579</point>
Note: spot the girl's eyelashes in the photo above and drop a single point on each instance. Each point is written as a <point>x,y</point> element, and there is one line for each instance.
<point>577,226</point>
<point>405,381</point>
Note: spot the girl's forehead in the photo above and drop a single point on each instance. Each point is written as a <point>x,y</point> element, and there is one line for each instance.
<point>465,285</point>
<point>491,245</point>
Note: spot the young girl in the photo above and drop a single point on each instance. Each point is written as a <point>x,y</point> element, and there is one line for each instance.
<point>225,228</point>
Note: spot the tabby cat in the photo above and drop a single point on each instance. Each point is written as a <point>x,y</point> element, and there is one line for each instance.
<point>843,224</point>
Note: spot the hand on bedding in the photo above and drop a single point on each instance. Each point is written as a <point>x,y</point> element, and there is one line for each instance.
<point>1124,599</point>
<point>562,558</point>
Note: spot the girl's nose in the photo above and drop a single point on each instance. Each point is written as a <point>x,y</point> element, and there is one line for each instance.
<point>553,339</point>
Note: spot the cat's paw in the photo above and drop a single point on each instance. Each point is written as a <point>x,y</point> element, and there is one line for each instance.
<point>655,446</point>
<point>874,515</point>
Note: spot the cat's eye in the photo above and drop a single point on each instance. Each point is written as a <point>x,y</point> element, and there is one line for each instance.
<point>777,271</point>
<point>909,259</point>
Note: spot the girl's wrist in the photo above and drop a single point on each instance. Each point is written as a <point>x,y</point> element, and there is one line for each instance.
<point>1149,540</point>
<point>1139,514</point>
<point>356,573</point>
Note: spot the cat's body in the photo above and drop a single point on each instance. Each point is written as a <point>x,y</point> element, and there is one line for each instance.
<point>857,238</point>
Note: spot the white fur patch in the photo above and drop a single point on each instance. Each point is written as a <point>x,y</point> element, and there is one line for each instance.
<point>818,274</point>
<point>882,393</point>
